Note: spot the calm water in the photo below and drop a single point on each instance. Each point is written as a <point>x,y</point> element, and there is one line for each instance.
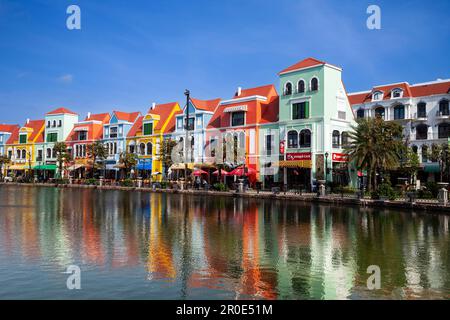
<point>153,246</point>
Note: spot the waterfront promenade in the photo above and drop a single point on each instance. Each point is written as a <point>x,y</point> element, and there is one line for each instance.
<point>428,205</point>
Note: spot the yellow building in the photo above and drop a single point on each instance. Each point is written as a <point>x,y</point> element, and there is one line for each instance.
<point>23,147</point>
<point>146,137</point>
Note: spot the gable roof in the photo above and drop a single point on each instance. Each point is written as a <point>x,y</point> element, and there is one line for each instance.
<point>8,127</point>
<point>137,126</point>
<point>102,117</point>
<point>127,116</point>
<point>415,90</point>
<point>206,105</point>
<point>36,135</point>
<point>257,91</point>
<point>164,111</point>
<point>171,124</point>
<point>306,63</point>
<point>61,111</point>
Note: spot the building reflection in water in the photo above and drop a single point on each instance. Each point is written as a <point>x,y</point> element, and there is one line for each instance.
<point>229,247</point>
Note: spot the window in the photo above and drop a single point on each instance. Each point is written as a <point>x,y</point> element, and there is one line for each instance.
<point>54,124</point>
<point>336,141</point>
<point>113,132</point>
<point>199,121</point>
<point>24,154</point>
<point>397,93</point>
<point>377,95</point>
<point>443,108</point>
<point>39,155</point>
<point>54,153</point>
<point>149,149</point>
<point>191,124</point>
<point>52,137</point>
<point>82,135</point>
<point>49,153</point>
<point>301,86</point>
<point>23,138</point>
<point>132,148</point>
<point>314,84</point>
<point>305,138</point>
<point>421,110</point>
<point>148,129</point>
<point>300,110</point>
<point>288,89</point>
<point>422,132</point>
<point>345,139</point>
<point>59,123</point>
<point>292,139</point>
<point>142,149</point>
<point>213,146</point>
<point>443,131</point>
<point>48,124</point>
<point>415,149</point>
<point>1,138</point>
<point>379,112</point>
<point>360,113</point>
<point>424,153</point>
<point>9,154</point>
<point>238,118</point>
<point>18,154</point>
<point>180,123</point>
<point>269,143</point>
<point>399,112</point>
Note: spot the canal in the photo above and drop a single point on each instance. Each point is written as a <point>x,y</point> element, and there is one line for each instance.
<point>132,245</point>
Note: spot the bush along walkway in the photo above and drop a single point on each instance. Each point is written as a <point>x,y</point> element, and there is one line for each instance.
<point>431,206</point>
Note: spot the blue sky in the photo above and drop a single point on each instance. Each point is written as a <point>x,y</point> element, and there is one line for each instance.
<point>129,54</point>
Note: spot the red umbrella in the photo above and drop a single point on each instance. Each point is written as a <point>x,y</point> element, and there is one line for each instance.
<point>222,172</point>
<point>199,172</point>
<point>240,172</point>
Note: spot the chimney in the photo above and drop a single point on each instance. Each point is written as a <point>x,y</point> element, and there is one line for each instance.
<point>153,105</point>
<point>238,92</point>
<point>28,121</point>
<point>88,115</point>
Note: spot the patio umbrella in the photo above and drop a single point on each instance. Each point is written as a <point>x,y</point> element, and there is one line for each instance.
<point>240,172</point>
<point>199,172</point>
<point>222,172</point>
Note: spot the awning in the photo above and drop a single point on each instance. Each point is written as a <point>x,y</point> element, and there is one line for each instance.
<point>182,166</point>
<point>432,167</point>
<point>236,109</point>
<point>144,166</point>
<point>51,167</point>
<point>16,168</point>
<point>295,164</point>
<point>75,167</point>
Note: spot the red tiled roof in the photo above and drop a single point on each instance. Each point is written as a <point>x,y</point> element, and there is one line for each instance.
<point>206,105</point>
<point>306,63</point>
<point>269,112</point>
<point>136,127</point>
<point>163,110</point>
<point>35,125</point>
<point>417,90</point>
<point>61,111</point>
<point>171,125</point>
<point>258,91</point>
<point>103,117</point>
<point>14,136</point>
<point>8,127</point>
<point>127,116</point>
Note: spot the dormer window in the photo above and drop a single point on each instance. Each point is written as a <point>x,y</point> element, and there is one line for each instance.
<point>82,135</point>
<point>397,93</point>
<point>377,95</point>
<point>148,129</point>
<point>179,123</point>
<point>113,132</point>
<point>237,118</point>
<point>288,89</point>
<point>23,139</point>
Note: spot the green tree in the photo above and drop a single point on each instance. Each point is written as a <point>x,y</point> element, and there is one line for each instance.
<point>410,164</point>
<point>128,161</point>
<point>97,152</point>
<point>165,153</point>
<point>63,157</point>
<point>375,146</point>
<point>4,161</point>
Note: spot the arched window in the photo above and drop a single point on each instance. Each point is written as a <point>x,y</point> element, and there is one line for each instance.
<point>115,148</point>
<point>301,86</point>
<point>305,138</point>
<point>292,139</point>
<point>49,153</point>
<point>379,112</point>
<point>336,141</point>
<point>54,123</point>
<point>377,95</point>
<point>24,154</point>
<point>149,149</point>
<point>107,148</point>
<point>360,113</point>
<point>142,149</point>
<point>314,84</point>
<point>288,89</point>
<point>414,149</point>
<point>422,132</point>
<point>54,153</point>
<point>421,110</point>
<point>18,154</point>
<point>345,139</point>
<point>399,112</point>
<point>444,130</point>
<point>443,108</point>
<point>424,153</point>
<point>397,93</point>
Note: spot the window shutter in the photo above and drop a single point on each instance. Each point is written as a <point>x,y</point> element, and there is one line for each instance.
<point>306,109</point>
<point>148,128</point>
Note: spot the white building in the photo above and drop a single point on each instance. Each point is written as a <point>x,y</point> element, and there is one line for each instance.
<point>422,109</point>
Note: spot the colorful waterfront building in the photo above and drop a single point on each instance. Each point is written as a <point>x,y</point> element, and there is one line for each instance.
<point>200,114</point>
<point>314,120</point>
<point>58,125</point>
<point>21,147</point>
<point>83,134</point>
<point>423,111</point>
<point>6,130</point>
<point>236,123</point>
<point>146,137</point>
<point>114,138</point>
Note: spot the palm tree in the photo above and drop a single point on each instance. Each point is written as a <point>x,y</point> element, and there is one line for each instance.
<point>4,161</point>
<point>97,152</point>
<point>165,152</point>
<point>62,156</point>
<point>128,160</point>
<point>375,146</point>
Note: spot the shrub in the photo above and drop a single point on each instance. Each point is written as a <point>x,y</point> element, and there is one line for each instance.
<point>425,194</point>
<point>384,190</point>
<point>345,190</point>
<point>91,182</point>
<point>127,183</point>
<point>220,187</point>
<point>433,188</point>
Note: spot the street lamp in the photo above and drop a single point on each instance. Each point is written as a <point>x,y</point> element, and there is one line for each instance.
<point>187,93</point>
<point>326,168</point>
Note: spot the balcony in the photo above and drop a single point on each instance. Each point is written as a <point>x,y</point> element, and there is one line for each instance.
<point>429,137</point>
<point>442,115</point>
<point>420,117</point>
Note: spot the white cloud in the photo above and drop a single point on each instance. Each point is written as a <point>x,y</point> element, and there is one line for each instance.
<point>66,78</point>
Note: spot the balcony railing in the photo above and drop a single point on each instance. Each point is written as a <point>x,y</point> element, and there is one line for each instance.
<point>429,136</point>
